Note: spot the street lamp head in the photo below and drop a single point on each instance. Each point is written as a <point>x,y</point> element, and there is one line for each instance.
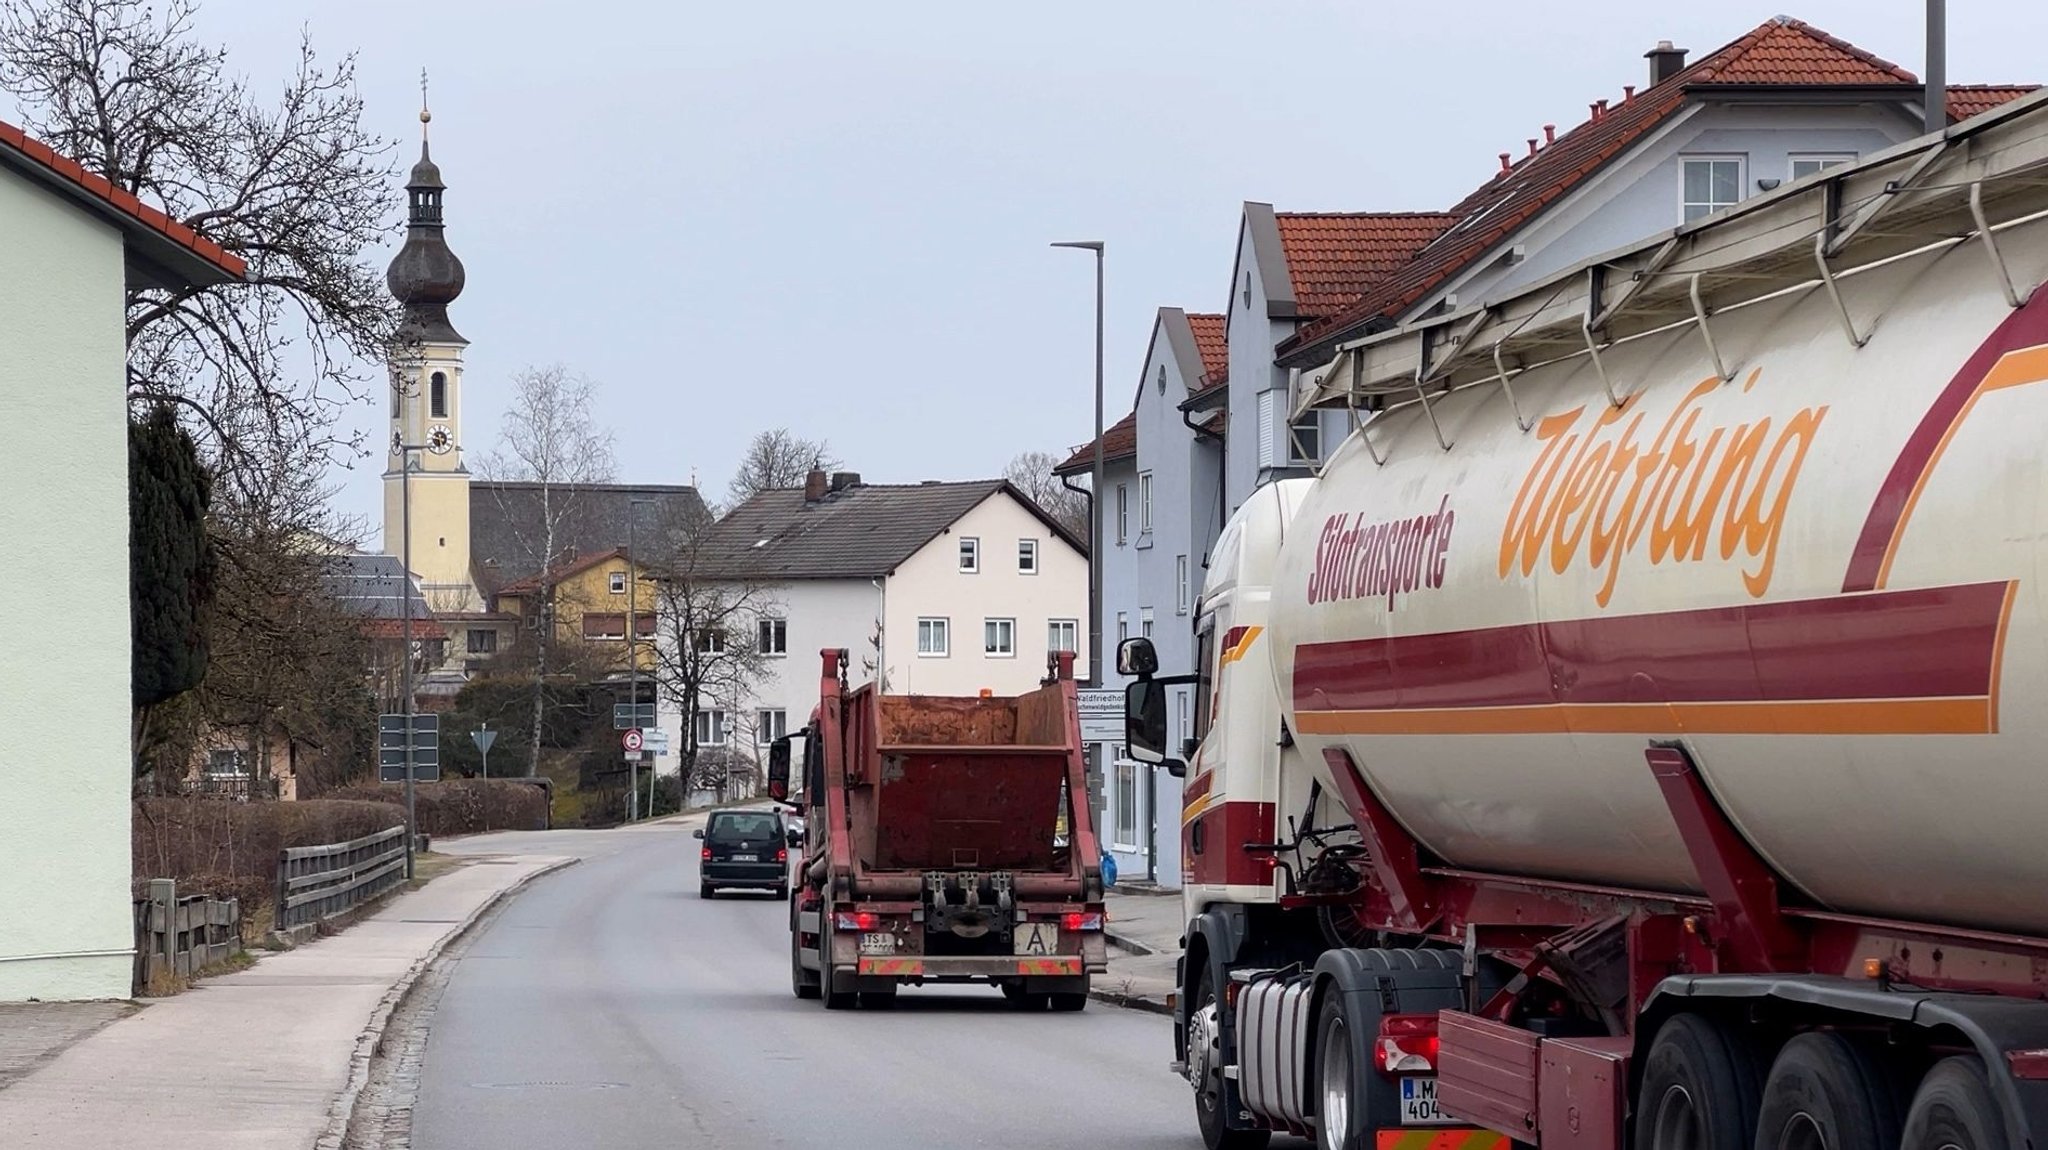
<point>1085,245</point>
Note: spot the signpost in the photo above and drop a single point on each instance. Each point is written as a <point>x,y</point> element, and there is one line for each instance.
<point>483,738</point>
<point>1102,714</point>
<point>654,740</point>
<point>633,742</point>
<point>626,716</point>
<point>424,747</point>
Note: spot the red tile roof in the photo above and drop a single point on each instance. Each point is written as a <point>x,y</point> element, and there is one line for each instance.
<point>566,571</point>
<point>1333,258</point>
<point>1211,339</point>
<point>1119,442</point>
<point>1966,100</point>
<point>122,200</point>
<point>1781,52</point>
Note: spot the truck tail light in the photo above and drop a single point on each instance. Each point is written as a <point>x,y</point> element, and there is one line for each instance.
<point>1077,920</point>
<point>857,920</point>
<point>1407,1044</point>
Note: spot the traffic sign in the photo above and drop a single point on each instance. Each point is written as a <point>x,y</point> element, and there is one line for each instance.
<point>483,739</point>
<point>626,716</point>
<point>1102,714</point>
<point>631,740</point>
<point>426,747</point>
<point>654,740</point>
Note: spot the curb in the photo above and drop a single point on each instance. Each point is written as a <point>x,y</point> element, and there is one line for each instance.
<point>1131,1001</point>
<point>342,1109</point>
<point>1126,943</point>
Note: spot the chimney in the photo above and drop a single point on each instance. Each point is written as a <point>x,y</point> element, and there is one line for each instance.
<point>1549,134</point>
<point>841,480</point>
<point>1532,147</point>
<point>814,486</point>
<point>1628,92</point>
<point>1504,165</point>
<point>1603,109</point>
<point>1592,111</point>
<point>1665,62</point>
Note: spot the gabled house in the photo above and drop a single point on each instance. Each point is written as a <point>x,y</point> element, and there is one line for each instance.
<point>588,605</point>
<point>934,588</point>
<point>75,244</point>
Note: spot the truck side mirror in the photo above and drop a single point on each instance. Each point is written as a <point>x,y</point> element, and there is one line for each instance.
<point>1144,717</point>
<point>1137,658</point>
<point>778,768</point>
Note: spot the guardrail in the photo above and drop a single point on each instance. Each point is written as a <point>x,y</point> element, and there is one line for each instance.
<point>176,936</point>
<point>315,883</point>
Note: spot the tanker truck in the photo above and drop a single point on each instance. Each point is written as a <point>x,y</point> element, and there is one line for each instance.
<point>1634,735</point>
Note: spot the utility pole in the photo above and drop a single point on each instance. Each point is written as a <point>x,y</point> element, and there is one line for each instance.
<point>633,664</point>
<point>1095,493</point>
<point>405,454</point>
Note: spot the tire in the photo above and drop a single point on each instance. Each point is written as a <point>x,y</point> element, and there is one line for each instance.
<point>1699,1090</point>
<point>1825,1091</point>
<point>1216,1132</point>
<point>704,891</point>
<point>782,892</point>
<point>1954,1108</point>
<point>1340,1110</point>
<point>835,998</point>
<point>802,983</point>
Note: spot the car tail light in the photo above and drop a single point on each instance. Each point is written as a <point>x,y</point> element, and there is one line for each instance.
<point>857,920</point>
<point>1076,920</point>
<point>706,856</point>
<point>1407,1044</point>
<point>781,854</point>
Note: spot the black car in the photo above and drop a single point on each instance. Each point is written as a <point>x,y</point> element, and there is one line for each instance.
<point>746,849</point>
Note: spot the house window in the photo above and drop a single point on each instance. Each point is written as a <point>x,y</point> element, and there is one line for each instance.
<point>1123,512</point>
<point>711,728</point>
<point>438,390</point>
<point>1063,635</point>
<point>999,637</point>
<point>1180,584</point>
<point>1180,713</point>
<point>1145,622</point>
<point>1708,184</point>
<point>1123,626</point>
<point>770,725</point>
<point>397,396</point>
<point>1027,556</point>
<point>1126,801</point>
<point>1806,164</point>
<point>774,636</point>
<point>710,641</point>
<point>228,761</point>
<point>604,626</point>
<point>482,642</point>
<point>932,638</point>
<point>1305,439</point>
<point>970,555</point>
<point>1145,503</point>
<point>618,580</point>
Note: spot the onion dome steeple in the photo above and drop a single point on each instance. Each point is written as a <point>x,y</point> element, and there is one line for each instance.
<point>425,276</point>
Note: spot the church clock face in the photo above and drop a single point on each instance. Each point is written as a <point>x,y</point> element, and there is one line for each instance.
<point>439,440</point>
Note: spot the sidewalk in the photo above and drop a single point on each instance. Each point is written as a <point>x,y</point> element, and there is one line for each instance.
<point>1144,935</point>
<point>276,1051</point>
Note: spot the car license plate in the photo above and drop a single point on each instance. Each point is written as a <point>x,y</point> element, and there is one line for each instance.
<point>1418,1103</point>
<point>1037,938</point>
<point>746,858</point>
<point>878,942</point>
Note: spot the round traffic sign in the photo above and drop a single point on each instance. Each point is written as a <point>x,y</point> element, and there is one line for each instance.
<point>631,739</point>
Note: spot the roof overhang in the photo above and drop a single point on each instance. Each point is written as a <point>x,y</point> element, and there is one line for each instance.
<point>1812,94</point>
<point>153,258</point>
<point>1932,190</point>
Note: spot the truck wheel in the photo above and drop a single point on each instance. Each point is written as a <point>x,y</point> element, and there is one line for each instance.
<point>1699,1090</point>
<point>1826,1091</point>
<point>1954,1108</point>
<point>804,983</point>
<point>1205,1069</point>
<point>1340,1113</point>
<point>835,998</point>
<point>1068,1003</point>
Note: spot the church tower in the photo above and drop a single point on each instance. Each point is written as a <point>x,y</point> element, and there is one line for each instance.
<point>426,401</point>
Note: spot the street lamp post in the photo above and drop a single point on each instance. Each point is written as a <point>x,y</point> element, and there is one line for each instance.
<point>633,664</point>
<point>1095,659</point>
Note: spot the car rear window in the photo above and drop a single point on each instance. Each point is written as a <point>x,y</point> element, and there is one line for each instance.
<point>748,827</point>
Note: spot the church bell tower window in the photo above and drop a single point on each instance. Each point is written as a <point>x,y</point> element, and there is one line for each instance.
<point>439,390</point>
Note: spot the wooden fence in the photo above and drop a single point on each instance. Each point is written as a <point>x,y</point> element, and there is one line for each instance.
<point>315,883</point>
<point>176,936</point>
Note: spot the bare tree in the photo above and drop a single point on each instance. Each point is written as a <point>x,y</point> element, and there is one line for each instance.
<point>777,459</point>
<point>550,440</point>
<point>712,620</point>
<point>294,186</point>
<point>1031,473</point>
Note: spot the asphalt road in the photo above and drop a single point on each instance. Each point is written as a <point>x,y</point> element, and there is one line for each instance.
<point>609,1008</point>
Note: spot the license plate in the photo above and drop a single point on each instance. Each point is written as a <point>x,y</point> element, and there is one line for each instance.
<point>746,858</point>
<point>1418,1104</point>
<point>1037,938</point>
<point>878,942</point>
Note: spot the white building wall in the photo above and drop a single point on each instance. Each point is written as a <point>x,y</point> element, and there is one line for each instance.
<point>930,584</point>
<point>66,920</point>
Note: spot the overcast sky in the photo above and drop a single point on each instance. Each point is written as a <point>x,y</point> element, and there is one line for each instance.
<point>833,216</point>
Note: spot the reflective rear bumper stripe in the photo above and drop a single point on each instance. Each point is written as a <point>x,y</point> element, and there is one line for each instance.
<point>1438,1138</point>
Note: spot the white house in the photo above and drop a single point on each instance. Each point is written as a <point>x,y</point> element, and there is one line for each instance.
<point>73,244</point>
<point>934,588</point>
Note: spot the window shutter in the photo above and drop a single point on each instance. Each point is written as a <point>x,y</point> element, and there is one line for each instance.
<point>1268,433</point>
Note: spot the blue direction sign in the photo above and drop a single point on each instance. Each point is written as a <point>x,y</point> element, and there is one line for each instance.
<point>426,747</point>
